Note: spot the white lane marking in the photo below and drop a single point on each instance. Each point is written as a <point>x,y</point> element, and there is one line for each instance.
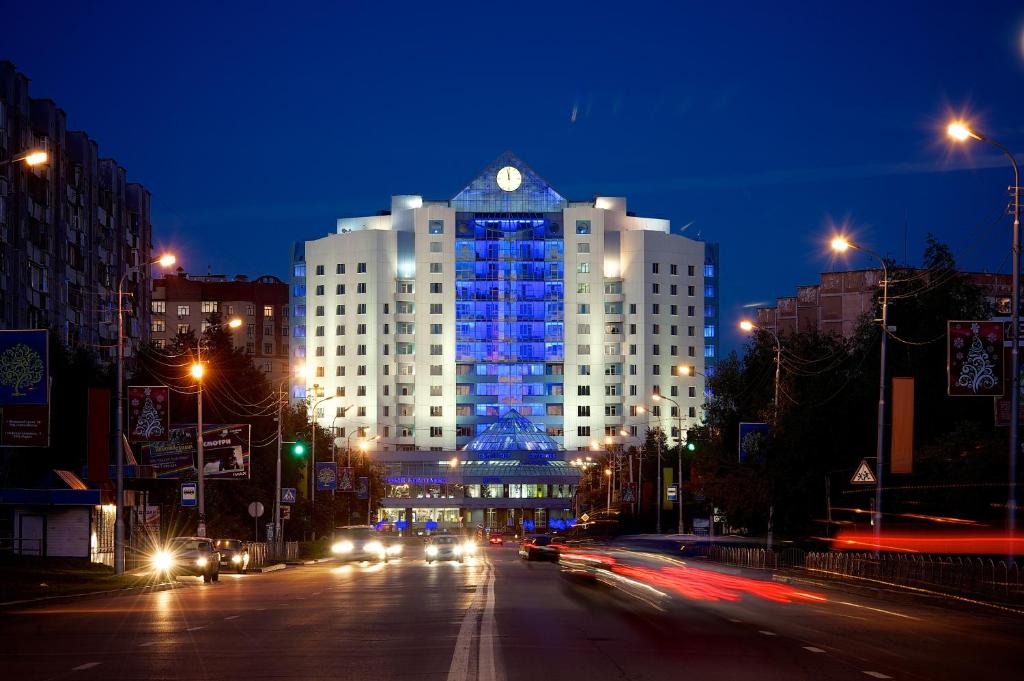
<point>887,612</point>
<point>87,665</point>
<point>461,669</point>
<point>196,628</point>
<point>813,649</point>
<point>767,633</point>
<point>487,669</point>
<point>878,675</point>
<point>260,609</point>
<point>233,617</point>
<point>735,621</point>
<point>147,644</point>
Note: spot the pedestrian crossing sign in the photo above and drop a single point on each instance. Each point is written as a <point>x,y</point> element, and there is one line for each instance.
<point>863,475</point>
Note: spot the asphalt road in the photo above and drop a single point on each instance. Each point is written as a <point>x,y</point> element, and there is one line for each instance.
<point>503,618</point>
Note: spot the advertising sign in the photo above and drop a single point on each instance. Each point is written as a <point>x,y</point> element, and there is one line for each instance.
<point>974,358</point>
<point>25,425</point>
<point>752,440</point>
<point>226,453</point>
<point>189,494</point>
<point>24,367</point>
<point>326,476</point>
<point>149,418</point>
<point>363,488</point>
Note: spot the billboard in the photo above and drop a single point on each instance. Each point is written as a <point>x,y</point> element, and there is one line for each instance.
<point>226,452</point>
<point>25,425</point>
<point>149,418</point>
<point>974,358</point>
<point>24,367</point>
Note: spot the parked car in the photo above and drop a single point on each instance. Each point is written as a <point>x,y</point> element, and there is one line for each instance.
<point>445,547</point>
<point>538,547</point>
<point>362,542</point>
<point>194,556</point>
<point>233,554</point>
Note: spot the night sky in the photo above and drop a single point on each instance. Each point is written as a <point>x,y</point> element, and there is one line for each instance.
<point>759,126</point>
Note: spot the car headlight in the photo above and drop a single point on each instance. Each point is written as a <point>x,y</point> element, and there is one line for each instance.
<point>373,547</point>
<point>431,550</point>
<point>201,562</point>
<point>163,561</point>
<point>394,549</point>
<point>236,558</point>
<point>469,547</point>
<point>342,547</point>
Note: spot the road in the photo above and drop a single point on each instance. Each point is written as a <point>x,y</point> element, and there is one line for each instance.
<point>502,618</point>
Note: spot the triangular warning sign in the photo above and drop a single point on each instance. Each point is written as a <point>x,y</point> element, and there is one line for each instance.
<point>863,475</point>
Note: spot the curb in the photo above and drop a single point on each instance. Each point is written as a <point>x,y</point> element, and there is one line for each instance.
<point>269,568</point>
<point>163,586</point>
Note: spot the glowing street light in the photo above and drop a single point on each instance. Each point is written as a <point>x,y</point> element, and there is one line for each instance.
<point>235,323</point>
<point>960,131</point>
<point>840,244</point>
<point>29,158</point>
<point>166,260</point>
<point>197,371</point>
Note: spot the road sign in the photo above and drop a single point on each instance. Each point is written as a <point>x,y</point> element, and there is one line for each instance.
<point>289,495</point>
<point>286,513</point>
<point>255,509</point>
<point>584,517</point>
<point>863,475</point>
<point>672,493</point>
<point>629,493</point>
<point>189,494</point>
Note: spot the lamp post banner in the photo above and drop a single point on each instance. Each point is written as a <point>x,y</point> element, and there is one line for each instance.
<point>346,479</point>
<point>974,359</point>
<point>24,367</point>
<point>363,488</point>
<point>149,417</point>
<point>326,476</point>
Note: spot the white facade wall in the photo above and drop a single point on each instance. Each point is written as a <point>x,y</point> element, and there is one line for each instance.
<point>402,391</point>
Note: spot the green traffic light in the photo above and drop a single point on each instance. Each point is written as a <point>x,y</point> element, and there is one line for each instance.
<point>691,446</point>
<point>298,449</point>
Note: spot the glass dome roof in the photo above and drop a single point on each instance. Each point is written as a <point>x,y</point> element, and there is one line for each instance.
<point>513,432</point>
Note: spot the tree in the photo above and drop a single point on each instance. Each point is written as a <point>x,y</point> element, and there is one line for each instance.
<point>20,367</point>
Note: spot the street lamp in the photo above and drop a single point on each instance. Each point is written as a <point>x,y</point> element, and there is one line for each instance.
<point>748,326</point>
<point>30,158</point>
<point>164,261</point>
<point>312,457</point>
<point>961,132</point>
<point>198,371</point>
<point>841,244</point>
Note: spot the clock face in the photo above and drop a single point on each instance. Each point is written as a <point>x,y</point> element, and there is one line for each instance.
<point>509,178</point>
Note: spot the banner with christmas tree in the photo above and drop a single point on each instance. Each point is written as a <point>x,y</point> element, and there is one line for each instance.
<point>149,415</point>
<point>974,359</point>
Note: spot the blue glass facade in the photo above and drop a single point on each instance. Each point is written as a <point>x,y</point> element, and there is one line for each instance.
<point>509,310</point>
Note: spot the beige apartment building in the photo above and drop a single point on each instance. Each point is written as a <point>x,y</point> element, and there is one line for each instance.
<point>183,303</point>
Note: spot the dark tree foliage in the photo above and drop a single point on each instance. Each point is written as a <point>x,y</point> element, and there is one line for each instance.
<point>826,420</point>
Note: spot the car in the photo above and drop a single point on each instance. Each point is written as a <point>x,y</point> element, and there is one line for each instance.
<point>233,554</point>
<point>538,547</point>
<point>188,556</point>
<point>361,542</point>
<point>448,547</point>
<point>495,538</point>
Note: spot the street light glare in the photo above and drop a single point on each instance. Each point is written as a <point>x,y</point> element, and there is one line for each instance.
<point>959,131</point>
<point>747,325</point>
<point>235,323</point>
<point>684,370</point>
<point>36,158</point>
<point>197,371</point>
<point>364,445</point>
<point>166,260</point>
<point>656,397</point>
<point>302,371</point>
<point>840,244</point>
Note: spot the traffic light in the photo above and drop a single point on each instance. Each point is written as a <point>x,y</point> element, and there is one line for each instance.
<point>298,449</point>
<point>691,446</point>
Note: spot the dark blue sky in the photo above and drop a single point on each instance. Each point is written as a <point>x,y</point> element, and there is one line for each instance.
<point>255,126</point>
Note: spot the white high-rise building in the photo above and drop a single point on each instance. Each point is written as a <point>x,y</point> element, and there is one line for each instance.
<point>434,318</point>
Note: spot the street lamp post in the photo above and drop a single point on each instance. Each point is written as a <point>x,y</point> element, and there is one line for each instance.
<point>198,372</point>
<point>312,456</point>
<point>164,261</point>
<point>679,445</point>
<point>747,325</point>
<point>30,158</point>
<point>961,132</point>
<point>841,244</point>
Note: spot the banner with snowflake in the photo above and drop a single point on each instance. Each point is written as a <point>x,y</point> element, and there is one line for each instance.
<point>974,360</point>
<point>24,367</point>
<point>149,414</point>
